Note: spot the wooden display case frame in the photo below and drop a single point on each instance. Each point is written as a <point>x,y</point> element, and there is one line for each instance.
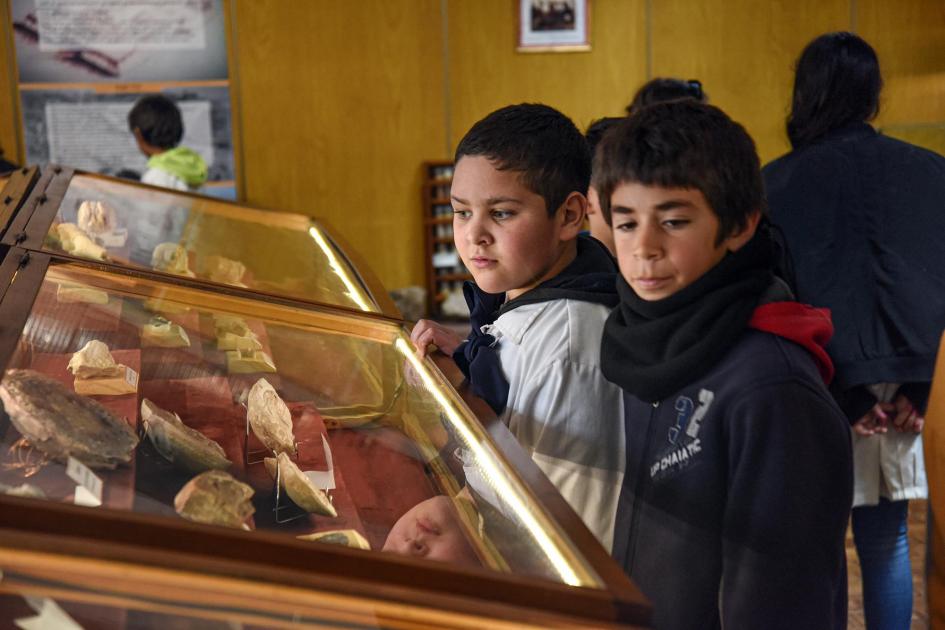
<point>273,560</point>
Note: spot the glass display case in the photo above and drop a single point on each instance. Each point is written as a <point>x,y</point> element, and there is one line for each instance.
<point>181,444</point>
<point>288,255</point>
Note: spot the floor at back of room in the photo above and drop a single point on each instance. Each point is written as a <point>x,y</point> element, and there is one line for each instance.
<point>917,536</point>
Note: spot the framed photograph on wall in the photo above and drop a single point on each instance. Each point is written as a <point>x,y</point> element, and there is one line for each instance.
<point>553,25</point>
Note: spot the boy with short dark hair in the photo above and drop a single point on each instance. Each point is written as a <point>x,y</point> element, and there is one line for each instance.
<point>156,123</point>
<point>739,479</point>
<point>539,302</point>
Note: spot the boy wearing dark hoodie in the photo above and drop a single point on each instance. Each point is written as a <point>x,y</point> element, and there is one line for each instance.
<point>739,478</point>
<point>539,302</point>
<point>158,128</point>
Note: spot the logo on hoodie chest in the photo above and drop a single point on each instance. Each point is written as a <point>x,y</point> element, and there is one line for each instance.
<point>683,447</point>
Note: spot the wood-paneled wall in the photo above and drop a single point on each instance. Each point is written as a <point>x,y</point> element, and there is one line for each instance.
<point>909,38</point>
<point>339,102</point>
<point>426,91</point>
<point>9,118</point>
<point>743,51</point>
<point>486,72</point>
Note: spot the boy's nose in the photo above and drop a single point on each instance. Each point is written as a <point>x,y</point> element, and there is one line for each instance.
<point>647,245</point>
<point>476,232</point>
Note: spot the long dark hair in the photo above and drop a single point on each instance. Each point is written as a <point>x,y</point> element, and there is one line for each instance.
<point>836,83</point>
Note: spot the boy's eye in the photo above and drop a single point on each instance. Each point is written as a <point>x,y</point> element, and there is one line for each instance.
<point>626,226</point>
<point>675,224</point>
<point>501,214</point>
<point>462,214</point>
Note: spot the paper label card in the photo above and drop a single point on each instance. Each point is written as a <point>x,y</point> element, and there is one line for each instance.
<point>324,479</point>
<point>49,616</point>
<point>89,490</point>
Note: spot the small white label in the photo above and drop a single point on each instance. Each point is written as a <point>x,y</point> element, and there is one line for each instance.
<point>324,479</point>
<point>89,490</point>
<point>49,616</point>
<point>131,377</point>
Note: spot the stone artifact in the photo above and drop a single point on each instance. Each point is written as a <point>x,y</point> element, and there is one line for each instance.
<point>96,372</point>
<point>299,487</point>
<point>225,270</point>
<point>94,361</point>
<point>215,497</point>
<point>76,242</point>
<point>69,293</point>
<point>179,444</point>
<point>61,423</point>
<point>96,217</point>
<point>27,490</point>
<point>171,258</point>
<point>269,418</point>
<point>162,333</point>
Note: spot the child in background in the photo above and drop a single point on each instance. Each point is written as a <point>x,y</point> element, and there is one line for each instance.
<point>739,477</point>
<point>539,301</point>
<point>599,228</point>
<point>661,90</point>
<point>158,128</point>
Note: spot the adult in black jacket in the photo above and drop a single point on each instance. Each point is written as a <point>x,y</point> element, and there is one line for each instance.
<point>738,481</point>
<point>863,216</point>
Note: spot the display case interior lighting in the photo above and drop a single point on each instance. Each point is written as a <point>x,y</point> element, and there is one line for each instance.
<point>511,493</point>
<point>353,291</point>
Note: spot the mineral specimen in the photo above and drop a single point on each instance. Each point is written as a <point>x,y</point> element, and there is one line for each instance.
<point>61,423</point>
<point>269,418</point>
<point>94,361</point>
<point>300,488</point>
<point>184,447</point>
<point>215,497</point>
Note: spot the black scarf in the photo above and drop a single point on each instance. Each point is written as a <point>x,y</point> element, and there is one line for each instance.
<point>589,278</point>
<point>654,348</point>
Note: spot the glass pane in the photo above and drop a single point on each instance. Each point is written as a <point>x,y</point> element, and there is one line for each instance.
<point>286,254</point>
<point>371,447</point>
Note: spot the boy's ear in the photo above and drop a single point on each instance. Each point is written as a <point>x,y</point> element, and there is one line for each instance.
<point>573,213</point>
<point>738,238</point>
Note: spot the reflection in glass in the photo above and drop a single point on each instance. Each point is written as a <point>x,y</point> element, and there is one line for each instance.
<point>251,415</point>
<point>191,236</point>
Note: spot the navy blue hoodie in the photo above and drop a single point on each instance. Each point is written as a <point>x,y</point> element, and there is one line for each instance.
<point>738,482</point>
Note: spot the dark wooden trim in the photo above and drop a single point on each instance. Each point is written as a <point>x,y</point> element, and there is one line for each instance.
<point>47,206</point>
<point>15,233</point>
<point>17,295</point>
<point>277,559</point>
<point>15,193</point>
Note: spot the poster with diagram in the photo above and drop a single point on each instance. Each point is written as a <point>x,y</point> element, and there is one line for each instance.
<point>82,64</point>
